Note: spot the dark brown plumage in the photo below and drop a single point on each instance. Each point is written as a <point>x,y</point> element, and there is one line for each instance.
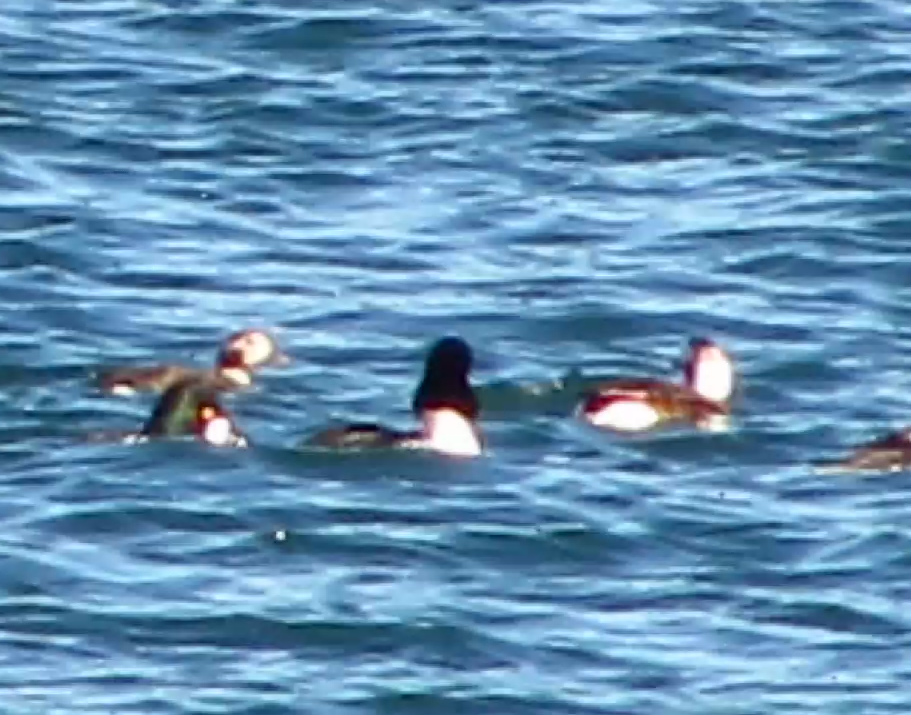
<point>241,354</point>
<point>890,453</point>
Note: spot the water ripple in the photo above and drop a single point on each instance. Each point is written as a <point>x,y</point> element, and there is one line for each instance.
<point>576,189</point>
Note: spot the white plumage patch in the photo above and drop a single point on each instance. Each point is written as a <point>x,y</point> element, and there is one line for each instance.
<point>219,432</point>
<point>625,416</point>
<point>713,375</point>
<point>450,432</point>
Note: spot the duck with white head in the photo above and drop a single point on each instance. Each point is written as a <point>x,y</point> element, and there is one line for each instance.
<point>240,356</point>
<point>702,399</point>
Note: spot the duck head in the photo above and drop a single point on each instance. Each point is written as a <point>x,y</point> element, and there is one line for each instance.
<point>445,401</point>
<point>246,351</point>
<point>709,371</point>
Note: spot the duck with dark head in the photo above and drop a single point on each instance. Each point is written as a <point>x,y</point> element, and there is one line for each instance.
<point>444,402</point>
<point>703,399</point>
<point>240,355</point>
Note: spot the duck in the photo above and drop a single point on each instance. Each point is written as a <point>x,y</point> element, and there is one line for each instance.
<point>240,355</point>
<point>890,453</point>
<point>444,402</point>
<point>702,399</point>
<point>190,407</point>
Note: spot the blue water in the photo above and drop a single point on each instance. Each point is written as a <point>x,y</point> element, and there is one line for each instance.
<point>573,187</point>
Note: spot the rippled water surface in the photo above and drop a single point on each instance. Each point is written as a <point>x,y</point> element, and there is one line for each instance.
<point>572,187</point>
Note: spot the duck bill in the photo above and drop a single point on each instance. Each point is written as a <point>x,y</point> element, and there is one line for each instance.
<point>280,359</point>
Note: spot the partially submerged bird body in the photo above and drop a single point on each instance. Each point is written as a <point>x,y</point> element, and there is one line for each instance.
<point>703,398</point>
<point>239,357</point>
<point>640,404</point>
<point>362,435</point>
<point>444,401</point>
<point>891,453</point>
<point>188,408</point>
<point>157,379</point>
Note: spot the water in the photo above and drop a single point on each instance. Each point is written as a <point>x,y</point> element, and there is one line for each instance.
<point>571,187</point>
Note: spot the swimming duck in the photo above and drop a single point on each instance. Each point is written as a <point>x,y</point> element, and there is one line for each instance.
<point>444,401</point>
<point>240,355</point>
<point>891,453</point>
<point>190,407</point>
<point>635,405</point>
